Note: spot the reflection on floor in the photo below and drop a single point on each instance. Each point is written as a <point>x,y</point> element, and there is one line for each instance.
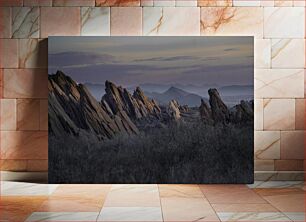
<point>261,201</point>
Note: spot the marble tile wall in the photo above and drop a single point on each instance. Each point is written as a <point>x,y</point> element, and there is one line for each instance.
<point>278,27</point>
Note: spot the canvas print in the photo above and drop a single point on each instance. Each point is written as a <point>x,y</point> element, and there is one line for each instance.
<point>151,109</point>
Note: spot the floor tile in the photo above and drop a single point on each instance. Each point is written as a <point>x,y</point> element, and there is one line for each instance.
<point>268,216</point>
<point>276,184</point>
<point>9,188</point>
<point>71,204</point>
<point>264,207</point>
<point>296,216</point>
<point>130,214</point>
<point>63,216</point>
<point>189,191</point>
<point>18,208</point>
<point>187,209</point>
<point>285,200</point>
<point>266,192</point>
<point>230,194</point>
<point>133,196</point>
<point>96,191</point>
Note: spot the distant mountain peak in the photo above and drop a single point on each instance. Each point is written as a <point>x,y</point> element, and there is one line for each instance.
<point>173,88</point>
<point>176,91</point>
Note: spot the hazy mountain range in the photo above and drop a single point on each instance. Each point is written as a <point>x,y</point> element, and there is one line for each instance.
<point>190,95</point>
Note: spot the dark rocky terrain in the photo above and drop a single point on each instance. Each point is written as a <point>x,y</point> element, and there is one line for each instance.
<point>85,135</point>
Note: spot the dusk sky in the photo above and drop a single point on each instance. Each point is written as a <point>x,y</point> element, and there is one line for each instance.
<point>130,61</point>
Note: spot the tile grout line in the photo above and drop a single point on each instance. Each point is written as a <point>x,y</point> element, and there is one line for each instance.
<point>209,203</point>
<point>278,210</point>
<point>161,208</point>
<point>104,202</point>
<point>267,202</point>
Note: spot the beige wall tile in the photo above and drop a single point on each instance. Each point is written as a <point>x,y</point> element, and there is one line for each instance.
<point>8,53</point>
<point>258,117</point>
<point>25,22</point>
<point>267,145</point>
<point>73,2</point>
<point>33,53</point>
<point>159,21</point>
<point>27,114</point>
<point>207,3</point>
<point>283,50</point>
<point>232,21</point>
<point>118,3</point>
<point>186,3</point>
<point>7,114</point>
<point>51,17</point>
<point>37,165</point>
<point>25,83</point>
<point>262,53</point>
<point>279,83</point>
<point>5,22</point>
<point>43,116</point>
<point>24,144</point>
<point>284,22</point>
<point>280,3</point>
<point>264,165</point>
<point>4,3</point>
<point>266,3</point>
<point>292,144</point>
<point>299,3</point>
<point>279,114</point>
<point>95,21</point>
<point>146,2</point>
<point>122,26</point>
<point>37,2</point>
<point>305,82</point>
<point>1,83</point>
<point>13,165</point>
<point>162,3</point>
<point>300,114</point>
<point>289,165</point>
<point>246,3</point>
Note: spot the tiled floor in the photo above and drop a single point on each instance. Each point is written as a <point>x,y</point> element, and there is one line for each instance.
<point>261,201</point>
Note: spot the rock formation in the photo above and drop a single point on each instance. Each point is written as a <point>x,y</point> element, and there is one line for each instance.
<point>205,112</point>
<point>219,111</point>
<point>173,110</point>
<point>136,106</point>
<point>72,109</point>
<point>184,108</point>
<point>243,112</point>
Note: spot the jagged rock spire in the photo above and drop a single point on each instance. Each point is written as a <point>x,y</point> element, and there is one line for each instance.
<point>205,111</point>
<point>219,110</point>
<point>72,109</point>
<point>173,110</point>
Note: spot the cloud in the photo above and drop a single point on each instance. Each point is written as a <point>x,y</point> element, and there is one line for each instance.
<point>131,74</point>
<point>231,49</point>
<point>210,58</point>
<point>78,59</point>
<point>167,59</point>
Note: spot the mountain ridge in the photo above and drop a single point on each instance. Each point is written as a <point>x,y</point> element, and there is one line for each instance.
<point>73,109</point>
